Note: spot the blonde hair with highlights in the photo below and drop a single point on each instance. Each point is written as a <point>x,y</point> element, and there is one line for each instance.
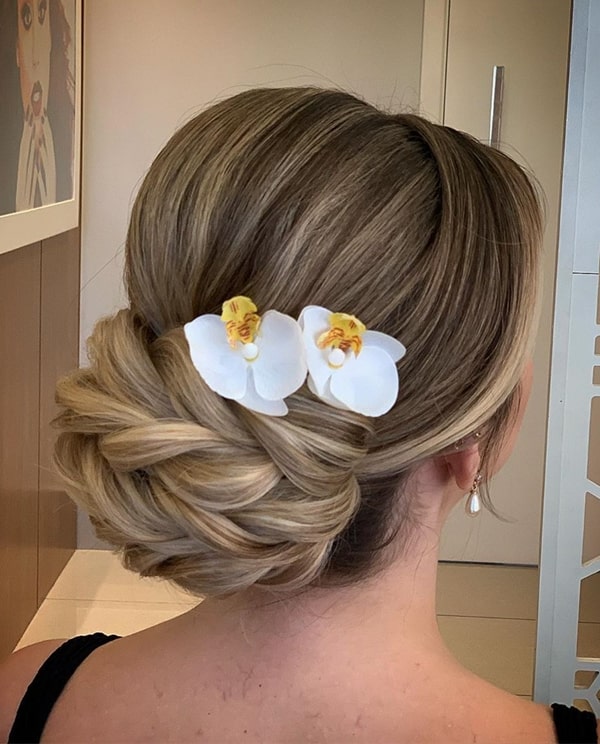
<point>293,197</point>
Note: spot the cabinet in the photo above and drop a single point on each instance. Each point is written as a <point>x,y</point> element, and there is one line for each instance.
<point>39,327</point>
<point>20,273</point>
<point>463,41</point>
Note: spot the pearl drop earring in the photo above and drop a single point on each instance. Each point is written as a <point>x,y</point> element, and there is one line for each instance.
<point>473,505</point>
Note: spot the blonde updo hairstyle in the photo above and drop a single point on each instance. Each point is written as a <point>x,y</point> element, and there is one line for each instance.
<point>299,196</point>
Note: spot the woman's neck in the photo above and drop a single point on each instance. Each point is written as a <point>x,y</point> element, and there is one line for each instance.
<point>395,608</point>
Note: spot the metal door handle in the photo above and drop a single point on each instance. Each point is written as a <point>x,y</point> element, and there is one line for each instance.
<point>496,108</point>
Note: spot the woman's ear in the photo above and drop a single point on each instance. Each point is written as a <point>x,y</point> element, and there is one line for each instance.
<point>463,466</point>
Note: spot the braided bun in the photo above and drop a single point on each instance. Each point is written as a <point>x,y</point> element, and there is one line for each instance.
<point>194,488</point>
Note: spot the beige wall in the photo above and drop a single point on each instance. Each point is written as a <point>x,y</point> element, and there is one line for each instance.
<point>150,65</point>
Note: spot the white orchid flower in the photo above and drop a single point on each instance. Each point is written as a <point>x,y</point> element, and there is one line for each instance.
<point>350,367</point>
<point>256,361</point>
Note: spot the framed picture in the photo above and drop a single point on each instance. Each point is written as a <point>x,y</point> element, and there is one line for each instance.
<point>40,119</point>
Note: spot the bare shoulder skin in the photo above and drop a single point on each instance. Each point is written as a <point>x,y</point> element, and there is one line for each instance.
<point>172,683</point>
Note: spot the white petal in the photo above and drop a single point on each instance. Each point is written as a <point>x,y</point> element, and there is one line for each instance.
<point>222,368</point>
<point>255,402</point>
<point>388,343</point>
<point>280,368</point>
<point>367,384</point>
<point>314,321</point>
<point>326,395</point>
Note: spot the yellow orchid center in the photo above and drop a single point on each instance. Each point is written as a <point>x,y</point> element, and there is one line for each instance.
<point>241,320</point>
<point>345,333</point>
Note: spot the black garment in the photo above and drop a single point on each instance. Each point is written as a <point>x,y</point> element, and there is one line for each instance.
<point>572,726</point>
<point>47,685</point>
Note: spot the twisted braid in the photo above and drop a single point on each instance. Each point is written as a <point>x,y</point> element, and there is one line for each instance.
<point>192,487</point>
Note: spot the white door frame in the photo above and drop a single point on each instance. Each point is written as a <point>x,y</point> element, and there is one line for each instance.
<point>434,58</point>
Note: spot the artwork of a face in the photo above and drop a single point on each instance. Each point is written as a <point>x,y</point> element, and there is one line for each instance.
<point>33,55</point>
<point>37,103</point>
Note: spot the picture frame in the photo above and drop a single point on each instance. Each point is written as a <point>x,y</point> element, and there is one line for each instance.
<point>40,145</point>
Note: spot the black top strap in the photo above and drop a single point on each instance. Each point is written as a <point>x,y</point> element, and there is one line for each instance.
<point>47,685</point>
<point>574,726</point>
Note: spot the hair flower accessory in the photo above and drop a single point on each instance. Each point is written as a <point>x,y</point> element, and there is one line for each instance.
<point>256,361</point>
<point>349,366</point>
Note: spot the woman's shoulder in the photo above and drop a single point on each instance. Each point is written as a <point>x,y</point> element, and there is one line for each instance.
<point>34,678</point>
<point>16,673</point>
<point>518,719</point>
<point>522,720</point>
<point>462,706</point>
<point>470,710</point>
<point>564,724</point>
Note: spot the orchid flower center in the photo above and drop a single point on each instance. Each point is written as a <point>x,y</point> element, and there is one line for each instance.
<point>344,334</point>
<point>241,324</point>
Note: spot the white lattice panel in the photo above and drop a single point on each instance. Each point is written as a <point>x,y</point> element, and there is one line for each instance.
<point>561,674</point>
